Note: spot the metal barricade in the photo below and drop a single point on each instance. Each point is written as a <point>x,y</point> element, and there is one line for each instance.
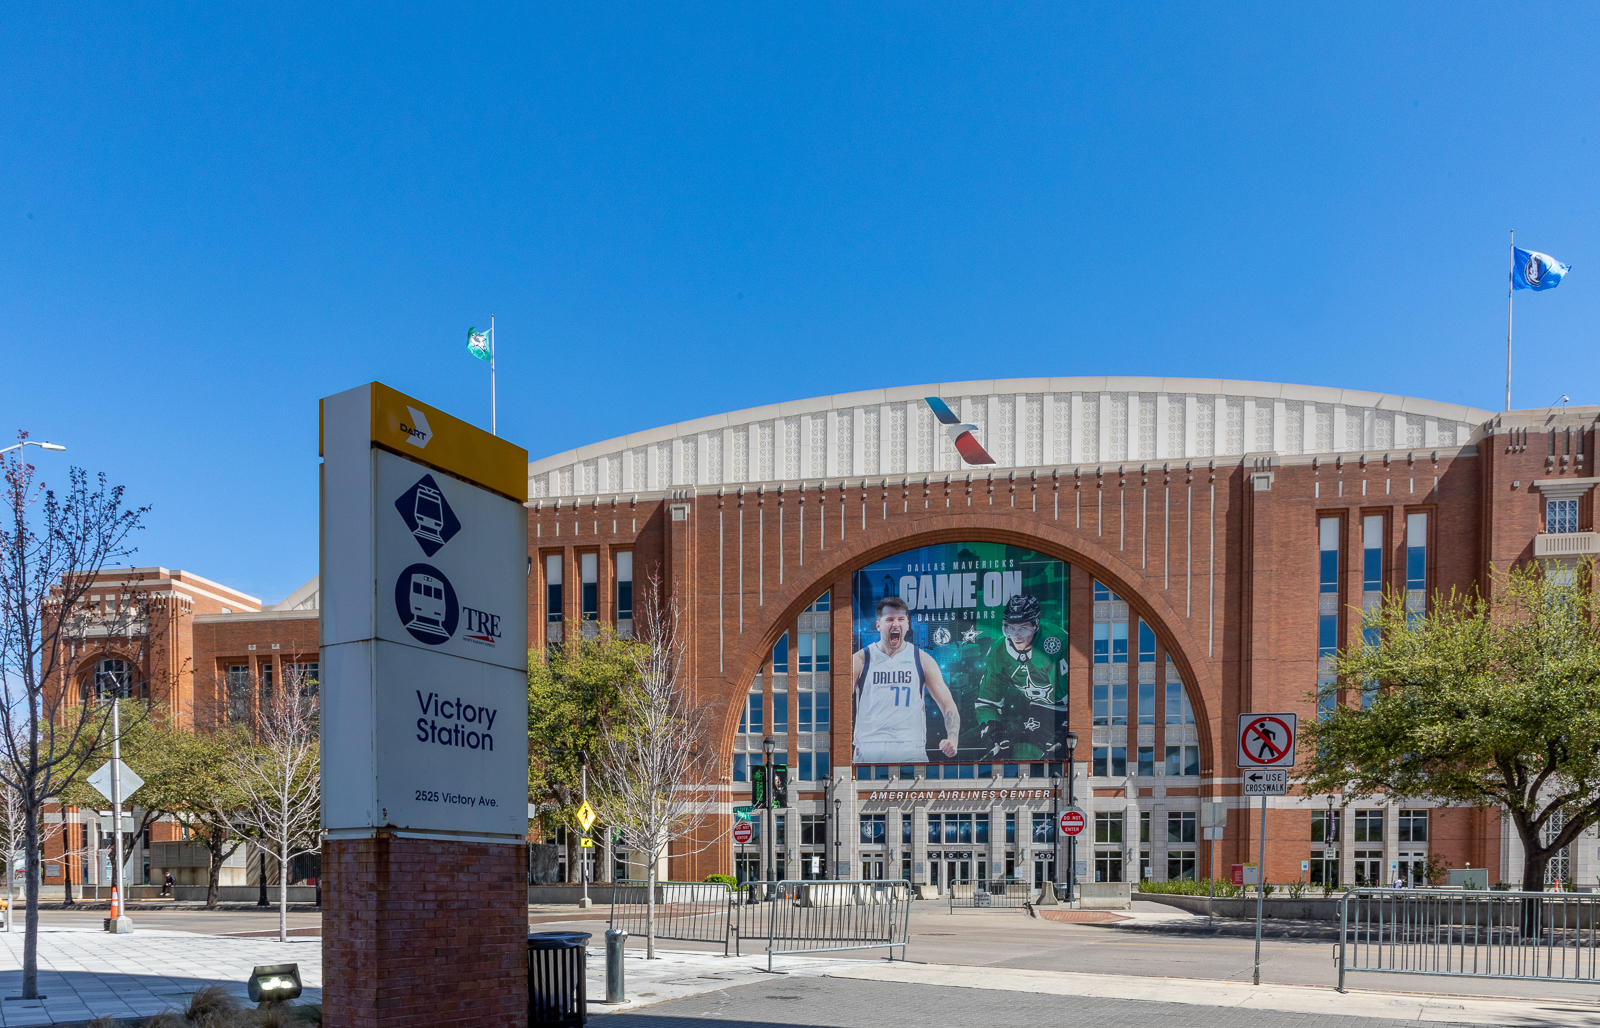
<point>991,895</point>
<point>685,911</point>
<point>827,916</point>
<point>1493,934</point>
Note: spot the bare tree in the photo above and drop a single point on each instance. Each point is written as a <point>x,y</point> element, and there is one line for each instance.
<point>654,777</point>
<point>52,548</point>
<point>279,779</point>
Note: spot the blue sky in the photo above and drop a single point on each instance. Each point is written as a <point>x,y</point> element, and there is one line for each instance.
<point>212,215</point>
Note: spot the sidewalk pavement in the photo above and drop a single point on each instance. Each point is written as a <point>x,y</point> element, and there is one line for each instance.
<point>84,973</point>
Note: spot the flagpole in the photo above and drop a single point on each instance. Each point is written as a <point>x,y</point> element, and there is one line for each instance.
<point>492,430</point>
<point>1511,273</point>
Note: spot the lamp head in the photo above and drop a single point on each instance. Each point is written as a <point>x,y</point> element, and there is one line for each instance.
<point>58,446</point>
<point>1072,740</point>
<point>768,746</point>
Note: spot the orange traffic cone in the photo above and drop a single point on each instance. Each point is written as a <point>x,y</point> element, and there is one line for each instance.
<point>116,904</point>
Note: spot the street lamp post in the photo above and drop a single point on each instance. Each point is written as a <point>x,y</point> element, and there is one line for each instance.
<point>767,747</point>
<point>1055,834</point>
<point>838,835</point>
<point>1072,840</point>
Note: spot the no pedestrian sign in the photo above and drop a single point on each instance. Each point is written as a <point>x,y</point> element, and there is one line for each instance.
<point>1266,740</point>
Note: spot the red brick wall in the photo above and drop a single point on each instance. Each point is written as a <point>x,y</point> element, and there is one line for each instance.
<point>425,933</point>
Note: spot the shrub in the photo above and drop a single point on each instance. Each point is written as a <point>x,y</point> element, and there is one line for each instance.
<point>728,880</point>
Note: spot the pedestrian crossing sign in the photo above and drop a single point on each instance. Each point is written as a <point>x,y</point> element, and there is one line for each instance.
<point>586,816</point>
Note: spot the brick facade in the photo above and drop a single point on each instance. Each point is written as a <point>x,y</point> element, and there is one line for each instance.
<point>424,932</point>
<point>1218,555</point>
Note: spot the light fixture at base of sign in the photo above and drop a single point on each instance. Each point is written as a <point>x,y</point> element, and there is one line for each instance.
<point>274,983</point>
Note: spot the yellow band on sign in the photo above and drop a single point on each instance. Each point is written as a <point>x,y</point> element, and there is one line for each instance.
<point>417,431</point>
<point>585,843</point>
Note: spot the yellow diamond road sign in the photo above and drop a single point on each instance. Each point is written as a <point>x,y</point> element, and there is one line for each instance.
<point>586,816</point>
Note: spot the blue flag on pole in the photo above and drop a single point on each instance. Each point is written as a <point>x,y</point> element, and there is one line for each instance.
<point>1533,270</point>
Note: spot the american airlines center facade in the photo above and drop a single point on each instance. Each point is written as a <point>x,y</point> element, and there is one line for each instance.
<point>1143,561</point>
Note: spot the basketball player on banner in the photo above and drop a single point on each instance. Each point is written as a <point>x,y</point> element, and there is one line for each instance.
<point>892,678</point>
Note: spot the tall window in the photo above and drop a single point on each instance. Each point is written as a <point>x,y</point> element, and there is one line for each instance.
<point>780,655</point>
<point>1181,826</point>
<point>552,596</point>
<point>1327,613</point>
<point>1561,516</point>
<point>238,691</point>
<point>625,590</point>
<point>1110,686</point>
<point>1413,825</point>
<point>1371,591</point>
<point>1416,565</point>
<point>1178,710</point>
<point>750,717</point>
<point>780,713</point>
<point>1323,830</point>
<point>589,571</point>
<point>1147,689</point>
<point>111,677</point>
<point>1369,826</point>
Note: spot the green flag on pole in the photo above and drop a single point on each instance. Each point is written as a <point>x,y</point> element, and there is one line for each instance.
<point>478,344</point>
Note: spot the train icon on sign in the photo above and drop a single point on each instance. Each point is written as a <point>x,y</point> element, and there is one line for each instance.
<point>427,515</point>
<point>426,603</point>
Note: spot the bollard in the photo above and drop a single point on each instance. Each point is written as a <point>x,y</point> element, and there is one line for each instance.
<point>616,986</point>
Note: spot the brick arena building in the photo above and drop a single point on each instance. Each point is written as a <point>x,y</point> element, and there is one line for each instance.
<point>1219,540</point>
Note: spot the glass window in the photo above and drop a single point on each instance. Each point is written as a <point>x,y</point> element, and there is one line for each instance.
<point>1108,865</point>
<point>589,571</point>
<point>1010,771</point>
<point>822,765</point>
<point>552,588</point>
<point>1147,702</point>
<point>1178,710</point>
<point>740,763</point>
<point>780,655</point>
<point>625,585</point>
<point>1035,770</point>
<point>905,829</point>
<point>1191,761</point>
<point>1372,553</point>
<point>780,712</point>
<point>1119,642</point>
<point>1174,761</point>
<point>1104,595</point>
<point>985,770</point>
<point>1044,828</point>
<point>1111,760</point>
<point>933,828</point>
<point>1322,829</point>
<point>1119,703</point>
<point>803,708</point>
<point>1102,642</point>
<point>805,766</point>
<point>1108,826</point>
<point>908,771</point>
<point>1181,825</point>
<point>1181,865</point>
<point>752,721</point>
<point>1416,564</point>
<point>1144,826</point>
<point>1413,826</point>
<point>778,828</point>
<point>822,651</point>
<point>1102,761</point>
<point>813,829</point>
<point>1561,516</point>
<point>804,666</point>
<point>1011,829</point>
<point>1369,826</point>
<point>872,829</point>
<point>1147,761</point>
<point>820,605</point>
<point>1328,543</point>
<point>1147,644</point>
<point>980,828</point>
<point>880,772</point>
<point>820,711</point>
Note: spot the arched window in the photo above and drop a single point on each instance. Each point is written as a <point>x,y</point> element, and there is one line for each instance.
<point>110,676</point>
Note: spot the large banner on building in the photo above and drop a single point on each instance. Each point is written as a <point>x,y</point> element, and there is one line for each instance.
<point>960,655</point>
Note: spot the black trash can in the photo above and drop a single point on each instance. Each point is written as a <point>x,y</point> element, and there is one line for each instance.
<point>557,963</point>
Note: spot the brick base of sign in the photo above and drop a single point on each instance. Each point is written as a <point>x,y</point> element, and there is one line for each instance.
<point>423,932</point>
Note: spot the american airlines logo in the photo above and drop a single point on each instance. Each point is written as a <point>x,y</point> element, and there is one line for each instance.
<point>960,432</point>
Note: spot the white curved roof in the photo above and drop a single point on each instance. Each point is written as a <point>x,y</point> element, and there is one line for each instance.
<point>1023,422</point>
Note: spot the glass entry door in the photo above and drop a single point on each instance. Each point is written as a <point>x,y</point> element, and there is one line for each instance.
<point>1044,870</point>
<point>872,868</point>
